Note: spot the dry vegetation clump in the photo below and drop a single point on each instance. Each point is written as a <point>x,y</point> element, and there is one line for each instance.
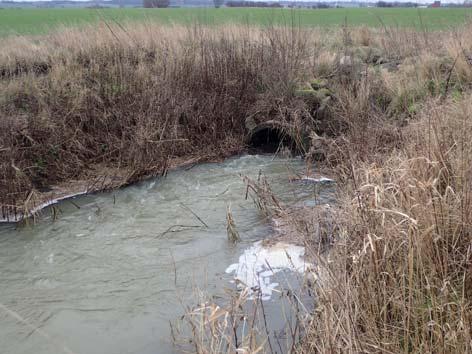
<point>387,110</point>
<point>137,98</point>
<point>397,275</point>
<point>400,270</point>
<point>402,280</point>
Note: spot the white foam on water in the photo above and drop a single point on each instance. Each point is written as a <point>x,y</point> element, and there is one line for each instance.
<point>258,264</point>
<point>317,180</point>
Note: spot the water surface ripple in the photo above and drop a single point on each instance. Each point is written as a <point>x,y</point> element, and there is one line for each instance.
<point>108,276</point>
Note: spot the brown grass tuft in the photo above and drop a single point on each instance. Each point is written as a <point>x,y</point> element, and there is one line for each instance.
<point>387,110</point>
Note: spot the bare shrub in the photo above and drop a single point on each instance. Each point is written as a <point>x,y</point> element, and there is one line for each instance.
<point>137,98</point>
<point>396,276</point>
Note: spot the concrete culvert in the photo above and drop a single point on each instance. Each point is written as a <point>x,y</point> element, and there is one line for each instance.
<point>268,137</point>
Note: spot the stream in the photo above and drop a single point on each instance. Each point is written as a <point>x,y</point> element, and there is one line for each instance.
<point>114,268</point>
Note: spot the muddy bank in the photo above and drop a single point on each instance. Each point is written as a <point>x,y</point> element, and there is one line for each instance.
<point>96,181</point>
<point>271,137</point>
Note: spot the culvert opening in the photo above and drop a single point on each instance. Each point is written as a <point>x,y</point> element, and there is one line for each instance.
<point>270,140</point>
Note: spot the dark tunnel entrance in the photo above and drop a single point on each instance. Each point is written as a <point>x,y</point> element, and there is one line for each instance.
<point>270,139</point>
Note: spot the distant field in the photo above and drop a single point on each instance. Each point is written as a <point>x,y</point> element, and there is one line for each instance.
<point>37,21</point>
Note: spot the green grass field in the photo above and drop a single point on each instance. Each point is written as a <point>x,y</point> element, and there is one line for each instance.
<point>38,21</point>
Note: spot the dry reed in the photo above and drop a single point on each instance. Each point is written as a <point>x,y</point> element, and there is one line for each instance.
<point>397,275</point>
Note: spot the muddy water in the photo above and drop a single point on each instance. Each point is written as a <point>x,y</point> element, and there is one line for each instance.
<point>111,272</point>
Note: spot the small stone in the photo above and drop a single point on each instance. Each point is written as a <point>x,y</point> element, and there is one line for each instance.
<point>324,105</point>
<point>381,61</point>
<point>321,94</point>
<point>305,93</point>
<point>319,84</point>
<point>250,123</point>
<point>345,60</point>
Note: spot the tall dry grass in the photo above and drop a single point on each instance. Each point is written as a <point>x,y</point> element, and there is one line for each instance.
<point>401,280</point>
<point>395,129</point>
<point>397,277</point>
<point>135,98</point>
